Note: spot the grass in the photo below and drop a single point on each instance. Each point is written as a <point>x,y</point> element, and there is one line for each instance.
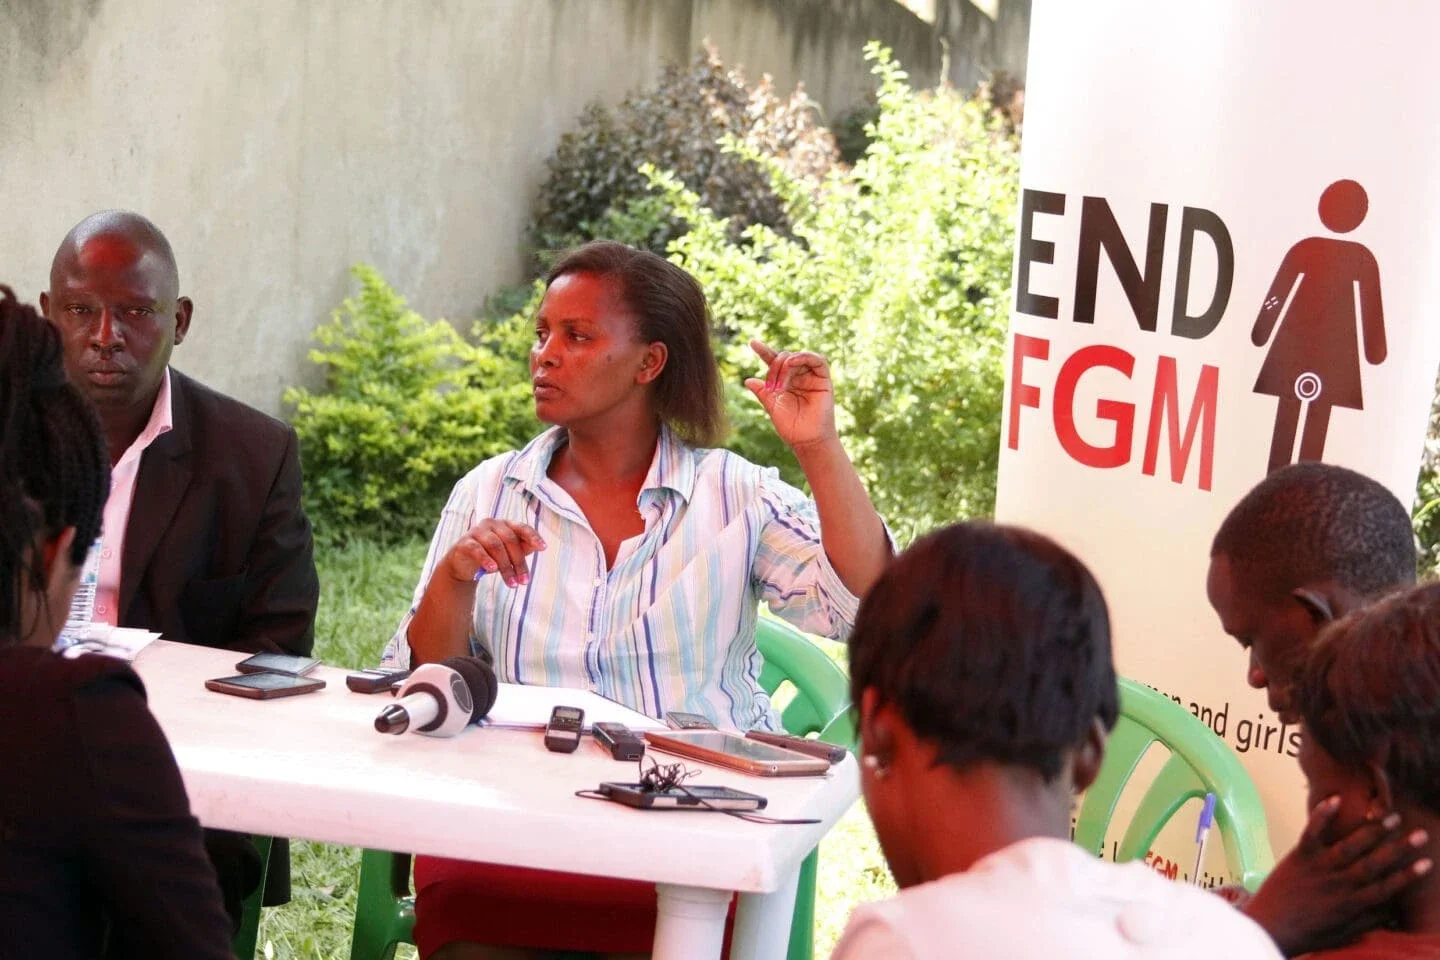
<point>365,589</point>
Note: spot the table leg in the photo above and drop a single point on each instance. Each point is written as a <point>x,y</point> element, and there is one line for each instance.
<point>762,923</point>
<point>689,922</point>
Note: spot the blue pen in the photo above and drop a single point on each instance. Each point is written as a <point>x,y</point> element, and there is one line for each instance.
<point>1202,833</point>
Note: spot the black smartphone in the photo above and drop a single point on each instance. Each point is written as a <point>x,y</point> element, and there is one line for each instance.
<point>690,798</point>
<point>264,686</point>
<point>278,663</point>
<point>678,720</point>
<point>622,742</point>
<point>374,680</point>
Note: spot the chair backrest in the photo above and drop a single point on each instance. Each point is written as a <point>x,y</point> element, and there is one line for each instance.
<point>822,691</point>
<point>1199,763</point>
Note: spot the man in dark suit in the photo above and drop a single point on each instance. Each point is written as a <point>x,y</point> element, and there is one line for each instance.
<point>204,538</point>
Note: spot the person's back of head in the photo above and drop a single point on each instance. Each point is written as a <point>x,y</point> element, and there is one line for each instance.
<point>981,664</point>
<point>980,659</point>
<point>119,865</point>
<point>1368,694</point>
<point>54,478</point>
<point>1309,543</point>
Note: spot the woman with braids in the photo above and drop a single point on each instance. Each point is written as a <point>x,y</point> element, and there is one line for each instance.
<point>99,855</point>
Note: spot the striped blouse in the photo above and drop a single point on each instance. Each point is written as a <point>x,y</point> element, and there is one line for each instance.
<point>671,626</point>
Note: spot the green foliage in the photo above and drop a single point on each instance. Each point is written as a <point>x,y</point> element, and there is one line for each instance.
<point>1427,494</point>
<point>850,129</point>
<point>595,189</point>
<point>409,407</point>
<point>899,272</point>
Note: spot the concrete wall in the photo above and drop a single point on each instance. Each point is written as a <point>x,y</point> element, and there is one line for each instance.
<point>277,142</point>
<point>978,44</point>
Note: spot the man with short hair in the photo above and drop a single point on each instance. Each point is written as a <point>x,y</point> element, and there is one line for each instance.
<point>1307,545</point>
<point>204,539</point>
<point>1310,543</point>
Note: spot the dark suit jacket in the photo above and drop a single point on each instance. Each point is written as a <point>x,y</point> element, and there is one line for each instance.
<point>218,552</point>
<point>99,854</point>
<point>218,549</point>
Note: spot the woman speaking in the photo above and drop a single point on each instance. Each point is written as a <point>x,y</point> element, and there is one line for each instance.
<point>620,553</point>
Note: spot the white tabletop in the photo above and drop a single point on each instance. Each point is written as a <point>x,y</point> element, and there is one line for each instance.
<point>313,767</point>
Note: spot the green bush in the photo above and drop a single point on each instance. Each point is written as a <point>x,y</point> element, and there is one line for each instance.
<point>409,406</point>
<point>595,189</point>
<point>1427,494</point>
<point>899,272</point>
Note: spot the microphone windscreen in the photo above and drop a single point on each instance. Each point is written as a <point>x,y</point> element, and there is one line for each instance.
<point>479,677</point>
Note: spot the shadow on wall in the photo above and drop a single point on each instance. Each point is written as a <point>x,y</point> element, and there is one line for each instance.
<point>981,47</point>
<point>45,32</point>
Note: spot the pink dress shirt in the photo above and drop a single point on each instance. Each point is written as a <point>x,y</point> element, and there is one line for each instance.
<point>117,508</point>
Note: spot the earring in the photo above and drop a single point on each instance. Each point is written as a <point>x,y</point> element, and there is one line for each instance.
<point>872,763</point>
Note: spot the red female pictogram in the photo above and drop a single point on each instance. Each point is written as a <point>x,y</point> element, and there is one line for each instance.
<point>1313,363</point>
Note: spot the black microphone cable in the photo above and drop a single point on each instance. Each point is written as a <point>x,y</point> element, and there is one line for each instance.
<point>663,778</point>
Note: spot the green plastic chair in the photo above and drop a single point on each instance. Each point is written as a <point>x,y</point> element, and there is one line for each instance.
<point>820,706</point>
<point>1199,763</point>
<point>385,907</point>
<point>244,943</point>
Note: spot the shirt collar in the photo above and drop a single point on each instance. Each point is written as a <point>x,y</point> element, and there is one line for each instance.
<point>672,468</point>
<point>161,422</point>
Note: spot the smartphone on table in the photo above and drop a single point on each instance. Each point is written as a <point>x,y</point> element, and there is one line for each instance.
<point>374,680</point>
<point>812,748</point>
<point>690,798</point>
<point>265,686</point>
<point>737,752</point>
<point>622,742</point>
<point>278,663</point>
<point>679,720</point>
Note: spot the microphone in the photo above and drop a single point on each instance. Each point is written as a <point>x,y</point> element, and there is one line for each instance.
<point>441,699</point>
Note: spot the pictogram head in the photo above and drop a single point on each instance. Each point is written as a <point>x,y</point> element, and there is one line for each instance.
<point>1343,206</point>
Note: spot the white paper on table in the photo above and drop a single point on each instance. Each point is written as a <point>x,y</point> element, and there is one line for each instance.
<point>528,706</point>
<point>123,643</point>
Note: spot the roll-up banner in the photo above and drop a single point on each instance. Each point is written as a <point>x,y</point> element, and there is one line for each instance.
<point>1228,259</point>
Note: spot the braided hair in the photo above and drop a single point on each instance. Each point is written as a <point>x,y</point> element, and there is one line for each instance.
<point>54,472</point>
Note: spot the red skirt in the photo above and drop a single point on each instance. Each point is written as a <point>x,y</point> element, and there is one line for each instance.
<point>499,906</point>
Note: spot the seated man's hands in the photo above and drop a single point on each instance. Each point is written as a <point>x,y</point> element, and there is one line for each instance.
<point>1324,894</point>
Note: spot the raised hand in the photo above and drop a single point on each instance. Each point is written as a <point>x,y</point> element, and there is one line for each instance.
<point>797,393</point>
<point>494,546</point>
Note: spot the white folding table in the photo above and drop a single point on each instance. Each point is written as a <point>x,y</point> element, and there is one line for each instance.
<point>313,767</point>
